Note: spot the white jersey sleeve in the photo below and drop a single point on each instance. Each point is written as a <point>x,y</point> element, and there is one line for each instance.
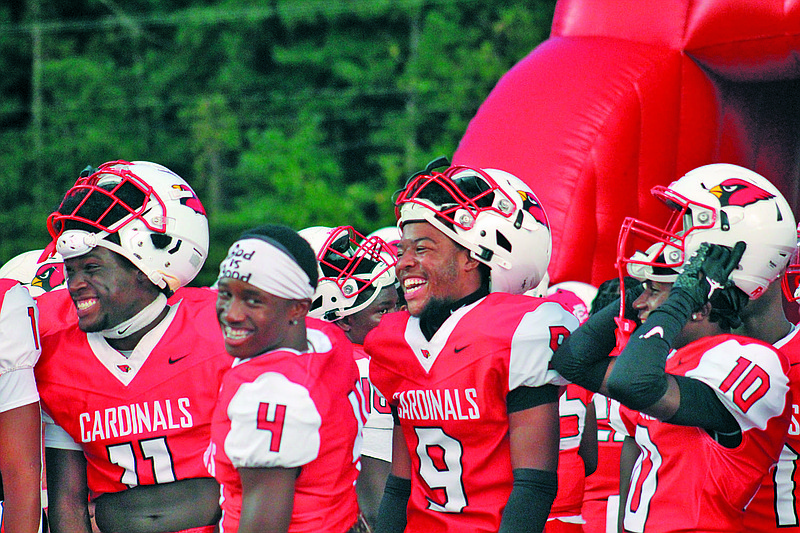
<point>17,388</point>
<point>274,423</point>
<point>19,334</point>
<point>19,348</point>
<point>747,378</point>
<point>538,334</point>
<point>378,428</point>
<point>56,437</point>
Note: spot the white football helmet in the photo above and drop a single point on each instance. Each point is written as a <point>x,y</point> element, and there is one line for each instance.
<point>161,224</point>
<point>718,204</point>
<point>490,212</point>
<point>585,291</point>
<point>349,264</point>
<point>390,235</point>
<point>649,265</point>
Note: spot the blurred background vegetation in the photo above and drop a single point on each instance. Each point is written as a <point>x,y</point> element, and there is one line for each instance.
<point>304,112</point>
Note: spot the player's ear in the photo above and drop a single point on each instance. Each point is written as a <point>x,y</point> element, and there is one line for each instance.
<point>702,314</point>
<point>299,309</point>
<point>471,263</point>
<point>344,324</point>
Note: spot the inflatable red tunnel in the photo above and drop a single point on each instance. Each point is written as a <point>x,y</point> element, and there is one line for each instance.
<point>625,95</point>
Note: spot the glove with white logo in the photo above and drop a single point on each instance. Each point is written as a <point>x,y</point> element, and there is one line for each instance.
<point>707,271</point>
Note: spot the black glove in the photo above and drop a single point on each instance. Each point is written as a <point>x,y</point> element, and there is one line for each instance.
<point>708,270</point>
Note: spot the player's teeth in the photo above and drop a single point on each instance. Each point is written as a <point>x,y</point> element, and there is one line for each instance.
<point>85,304</point>
<point>235,334</point>
<point>411,284</point>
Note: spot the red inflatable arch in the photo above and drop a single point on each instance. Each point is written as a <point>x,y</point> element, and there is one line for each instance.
<point>627,94</point>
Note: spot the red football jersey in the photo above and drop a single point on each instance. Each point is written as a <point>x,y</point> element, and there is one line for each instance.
<point>571,469</point>
<point>450,393</point>
<point>683,479</point>
<point>604,482</point>
<point>289,409</point>
<point>140,420</point>
<point>774,507</point>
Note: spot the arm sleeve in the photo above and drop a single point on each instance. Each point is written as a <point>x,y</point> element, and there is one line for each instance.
<point>701,407</point>
<point>392,510</point>
<point>584,356</point>
<point>530,501</point>
<point>523,398</point>
<point>638,379</point>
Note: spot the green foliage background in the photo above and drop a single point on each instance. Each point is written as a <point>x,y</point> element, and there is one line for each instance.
<point>303,112</point>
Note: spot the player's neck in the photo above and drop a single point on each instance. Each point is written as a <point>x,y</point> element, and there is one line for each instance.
<point>437,311</point>
<point>769,330</point>
<point>764,318</point>
<point>129,343</point>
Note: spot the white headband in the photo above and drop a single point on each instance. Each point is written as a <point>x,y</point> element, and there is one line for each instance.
<point>268,268</point>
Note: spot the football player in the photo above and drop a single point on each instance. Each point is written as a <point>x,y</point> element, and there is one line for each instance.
<point>601,492</point>
<point>20,422</point>
<point>577,459</point>
<point>577,456</point>
<point>775,506</point>
<point>129,379</point>
<point>465,367</point>
<point>711,417</point>
<point>286,434</point>
<point>357,286</point>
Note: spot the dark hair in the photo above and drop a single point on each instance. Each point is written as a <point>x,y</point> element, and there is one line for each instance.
<point>608,291</point>
<point>96,205</point>
<point>291,243</point>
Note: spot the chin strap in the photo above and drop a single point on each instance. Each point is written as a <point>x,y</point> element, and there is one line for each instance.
<point>137,322</point>
<point>625,327</point>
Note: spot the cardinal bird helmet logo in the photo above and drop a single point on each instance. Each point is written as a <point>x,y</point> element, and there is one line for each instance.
<point>49,276</point>
<point>738,192</point>
<point>532,206</point>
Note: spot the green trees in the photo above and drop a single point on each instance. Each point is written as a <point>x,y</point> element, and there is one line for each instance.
<point>304,112</point>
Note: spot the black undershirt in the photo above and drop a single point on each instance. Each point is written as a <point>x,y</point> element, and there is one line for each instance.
<point>437,311</point>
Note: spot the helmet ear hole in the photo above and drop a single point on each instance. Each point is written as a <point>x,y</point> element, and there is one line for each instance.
<point>160,240</point>
<point>502,241</point>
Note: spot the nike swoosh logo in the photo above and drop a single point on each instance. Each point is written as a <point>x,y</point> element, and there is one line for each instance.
<point>658,330</point>
<point>123,330</point>
<point>460,348</point>
<point>173,361</point>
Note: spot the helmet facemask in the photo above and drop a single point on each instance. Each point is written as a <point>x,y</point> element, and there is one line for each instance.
<point>352,269</point>
<point>790,283</point>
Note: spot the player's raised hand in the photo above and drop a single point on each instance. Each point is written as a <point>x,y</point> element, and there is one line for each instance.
<point>708,270</point>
